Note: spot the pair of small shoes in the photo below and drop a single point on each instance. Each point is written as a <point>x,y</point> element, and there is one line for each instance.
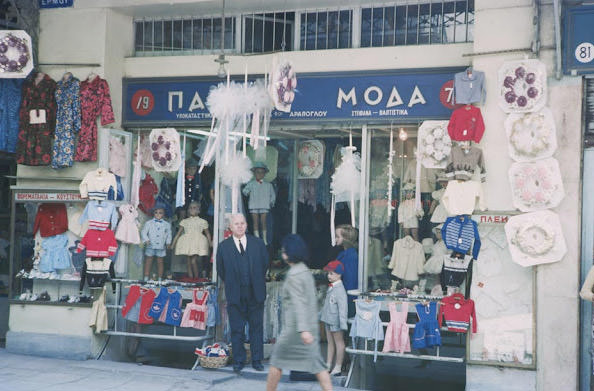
<point>44,296</point>
<point>257,365</point>
<point>64,299</point>
<point>336,372</point>
<point>73,299</point>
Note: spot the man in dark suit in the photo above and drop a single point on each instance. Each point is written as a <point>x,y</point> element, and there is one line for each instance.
<point>242,261</point>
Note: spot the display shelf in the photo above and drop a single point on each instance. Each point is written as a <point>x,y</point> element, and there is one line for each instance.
<point>50,303</point>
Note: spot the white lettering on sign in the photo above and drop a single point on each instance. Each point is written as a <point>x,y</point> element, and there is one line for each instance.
<point>394,99</point>
<point>416,97</point>
<point>346,97</point>
<point>378,98</point>
<point>47,196</point>
<point>196,103</point>
<point>180,99</point>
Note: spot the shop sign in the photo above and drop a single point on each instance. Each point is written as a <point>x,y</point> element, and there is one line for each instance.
<point>32,196</point>
<point>402,95</point>
<point>491,219</point>
<point>56,3</point>
<point>578,40</point>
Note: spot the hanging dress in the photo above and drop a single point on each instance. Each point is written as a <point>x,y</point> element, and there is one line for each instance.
<point>67,121</point>
<point>367,323</point>
<point>426,333</point>
<point>397,338</point>
<point>195,313</point>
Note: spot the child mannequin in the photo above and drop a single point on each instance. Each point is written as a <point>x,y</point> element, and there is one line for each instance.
<point>334,315</point>
<point>193,240</point>
<point>156,236</point>
<point>262,198</point>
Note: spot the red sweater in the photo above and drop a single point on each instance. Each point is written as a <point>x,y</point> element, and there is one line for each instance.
<point>51,219</point>
<point>466,124</point>
<point>457,312</point>
<point>99,244</point>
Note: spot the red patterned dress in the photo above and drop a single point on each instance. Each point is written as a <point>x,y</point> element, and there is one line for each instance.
<point>94,102</point>
<point>34,146</point>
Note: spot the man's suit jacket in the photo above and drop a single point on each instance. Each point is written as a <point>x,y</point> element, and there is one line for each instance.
<point>228,258</point>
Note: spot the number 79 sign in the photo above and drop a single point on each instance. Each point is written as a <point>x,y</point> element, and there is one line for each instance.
<point>142,102</point>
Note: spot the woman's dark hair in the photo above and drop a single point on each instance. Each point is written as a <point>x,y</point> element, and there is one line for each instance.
<point>295,248</point>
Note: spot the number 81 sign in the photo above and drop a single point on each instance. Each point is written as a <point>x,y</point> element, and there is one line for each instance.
<point>584,52</point>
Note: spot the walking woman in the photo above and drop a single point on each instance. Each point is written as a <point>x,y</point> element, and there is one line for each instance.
<point>298,346</point>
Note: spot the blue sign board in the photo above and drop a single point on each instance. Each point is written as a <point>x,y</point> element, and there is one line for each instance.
<point>374,96</point>
<point>578,40</point>
<point>55,3</point>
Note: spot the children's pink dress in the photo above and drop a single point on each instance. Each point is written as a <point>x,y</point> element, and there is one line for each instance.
<point>397,338</point>
<point>127,231</point>
<point>195,314</point>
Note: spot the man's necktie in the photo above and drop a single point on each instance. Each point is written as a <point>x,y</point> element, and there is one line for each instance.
<point>241,249</point>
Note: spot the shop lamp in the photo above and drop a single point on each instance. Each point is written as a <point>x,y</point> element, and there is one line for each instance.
<point>402,134</point>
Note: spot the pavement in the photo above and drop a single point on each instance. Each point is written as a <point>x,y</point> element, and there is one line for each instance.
<point>31,373</point>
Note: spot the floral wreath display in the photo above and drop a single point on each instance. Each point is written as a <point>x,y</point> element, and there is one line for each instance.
<point>522,86</point>
<point>536,185</point>
<point>283,86</point>
<point>434,144</point>
<point>310,159</point>
<point>165,149</point>
<point>15,54</point>
<point>531,136</point>
<point>535,238</point>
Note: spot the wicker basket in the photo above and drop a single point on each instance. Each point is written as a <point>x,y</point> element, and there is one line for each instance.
<point>213,362</point>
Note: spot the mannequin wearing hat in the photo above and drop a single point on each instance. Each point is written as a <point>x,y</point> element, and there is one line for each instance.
<point>261,199</point>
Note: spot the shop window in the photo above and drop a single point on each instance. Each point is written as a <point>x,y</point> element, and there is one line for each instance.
<point>326,30</point>
<point>153,37</point>
<point>268,32</point>
<point>418,24</point>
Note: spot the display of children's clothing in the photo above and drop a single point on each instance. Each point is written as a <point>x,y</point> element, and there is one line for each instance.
<point>146,194</point>
<point>469,87</point>
<point>196,313</point>
<point>100,215</point>
<point>51,219</point>
<point>157,233</point>
<point>455,269</point>
<point>95,101</point>
<point>95,272</point>
<point>458,313</point>
<point>426,332</point>
<point>367,323</point>
<point>261,196</point>
<point>408,215</point>
<point>98,243</point>
<point>397,338</point>
<point>466,124</point>
<point>212,305</point>
<point>55,253</point>
<point>462,163</point>
<point>408,259</point>
<point>127,231</point>
<point>10,101</point>
<point>193,241</point>
<point>68,121</point>
<point>118,164</point>
<point>96,184</point>
<point>461,198</point>
<point>434,264</point>
<point>460,233</point>
<point>439,214</point>
<point>334,310</point>
<point>37,121</point>
<point>138,304</point>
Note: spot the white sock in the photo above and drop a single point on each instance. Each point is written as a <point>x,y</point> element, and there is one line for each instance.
<point>264,237</point>
<point>257,234</point>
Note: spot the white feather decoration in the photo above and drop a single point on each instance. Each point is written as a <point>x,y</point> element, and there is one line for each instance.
<point>227,101</point>
<point>347,176</point>
<point>236,171</point>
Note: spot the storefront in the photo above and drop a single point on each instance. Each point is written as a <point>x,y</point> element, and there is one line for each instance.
<point>384,99</point>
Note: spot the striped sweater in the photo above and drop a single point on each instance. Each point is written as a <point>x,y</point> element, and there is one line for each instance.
<point>457,312</point>
<point>460,233</point>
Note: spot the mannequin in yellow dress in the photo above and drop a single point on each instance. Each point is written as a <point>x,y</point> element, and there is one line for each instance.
<point>193,240</point>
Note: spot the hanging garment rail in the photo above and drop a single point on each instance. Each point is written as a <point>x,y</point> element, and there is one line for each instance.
<point>393,296</point>
<point>209,332</point>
